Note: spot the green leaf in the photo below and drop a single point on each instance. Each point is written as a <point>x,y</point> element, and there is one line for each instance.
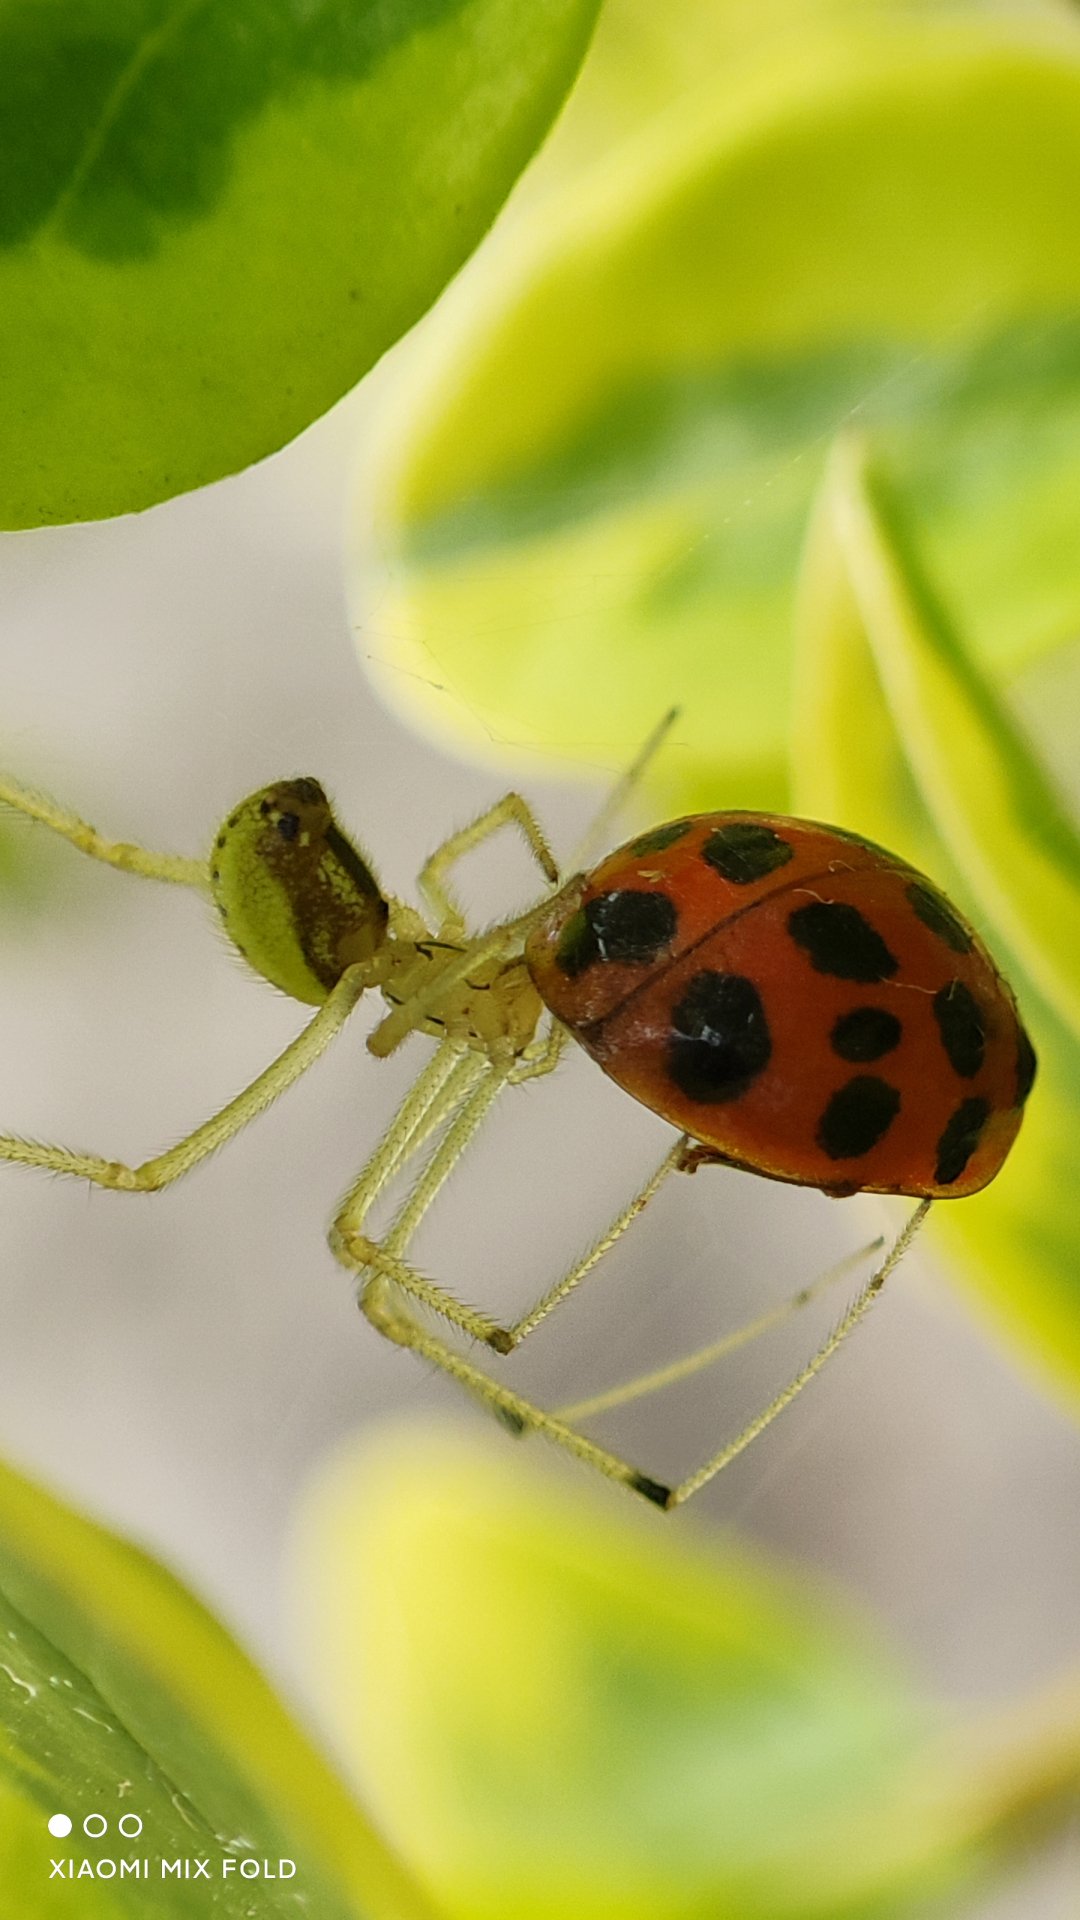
<point>120,1695</point>
<point>558,1712</point>
<point>214,219</point>
<point>899,737</point>
<point>596,473</point>
<point>994,805</point>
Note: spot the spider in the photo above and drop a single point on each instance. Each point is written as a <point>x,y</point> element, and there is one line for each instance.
<point>718,967</point>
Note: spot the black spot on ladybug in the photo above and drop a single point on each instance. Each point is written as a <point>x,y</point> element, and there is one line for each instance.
<point>661,838</point>
<point>744,850</point>
<point>1026,1067</point>
<point>839,941</point>
<point>963,1029</point>
<point>959,1140</point>
<point>857,1117</point>
<point>865,1034</point>
<point>935,912</point>
<point>720,1040</point>
<point>629,926</point>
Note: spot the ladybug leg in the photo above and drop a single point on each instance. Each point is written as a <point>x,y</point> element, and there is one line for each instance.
<point>541,1057</point>
<point>511,810</point>
<point>694,1155</point>
<point>859,1307</point>
<point>703,1357</point>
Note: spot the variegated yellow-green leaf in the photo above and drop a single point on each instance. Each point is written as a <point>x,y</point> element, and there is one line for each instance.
<point>991,799</point>
<point>213,219</point>
<point>120,1696</point>
<point>900,737</point>
<point>596,472</point>
<point>557,1712</point>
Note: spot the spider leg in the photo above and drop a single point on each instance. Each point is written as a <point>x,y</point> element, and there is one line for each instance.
<point>435,1092</point>
<point>115,853</point>
<point>394,1324</point>
<point>364,1254</point>
<point>167,1167</point>
<point>572,1279</point>
<point>596,832</point>
<point>702,1357</point>
<point>392,1319</point>
<point>511,810</point>
<point>859,1307</point>
<point>471,1088</point>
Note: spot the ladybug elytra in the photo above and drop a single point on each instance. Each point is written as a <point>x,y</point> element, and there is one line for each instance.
<point>801,1002</point>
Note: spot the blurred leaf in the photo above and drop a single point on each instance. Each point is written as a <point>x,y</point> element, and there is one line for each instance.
<point>899,737</point>
<point>214,219</point>
<point>990,797</point>
<point>599,462</point>
<point>120,1694</point>
<point>560,1713</point>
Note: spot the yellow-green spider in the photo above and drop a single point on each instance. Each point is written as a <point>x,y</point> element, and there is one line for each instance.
<point>679,965</point>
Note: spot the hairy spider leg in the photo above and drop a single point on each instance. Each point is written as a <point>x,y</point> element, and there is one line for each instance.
<point>703,1357</point>
<point>114,853</point>
<point>384,1276</point>
<point>462,1100</point>
<point>385,1273</point>
<point>857,1311</point>
<point>511,810</point>
<point>272,1082</point>
<point>457,1090</point>
<point>473,1095</point>
<point>596,831</point>
<point>472,1089</point>
<point>152,1175</point>
<point>389,1276</point>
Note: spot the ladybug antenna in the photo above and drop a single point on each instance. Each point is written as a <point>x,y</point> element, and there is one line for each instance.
<point>621,791</point>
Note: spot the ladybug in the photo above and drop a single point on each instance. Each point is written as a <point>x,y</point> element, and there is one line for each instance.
<point>799,1001</point>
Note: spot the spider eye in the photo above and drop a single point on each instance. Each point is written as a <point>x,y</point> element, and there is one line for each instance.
<point>288,825</point>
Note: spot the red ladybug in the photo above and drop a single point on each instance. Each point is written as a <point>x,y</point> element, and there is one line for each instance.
<point>797,999</point>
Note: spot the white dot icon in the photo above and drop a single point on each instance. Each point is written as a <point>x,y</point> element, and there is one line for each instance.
<point>59,1826</point>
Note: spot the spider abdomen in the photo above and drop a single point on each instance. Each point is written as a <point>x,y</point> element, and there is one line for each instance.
<point>294,895</point>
